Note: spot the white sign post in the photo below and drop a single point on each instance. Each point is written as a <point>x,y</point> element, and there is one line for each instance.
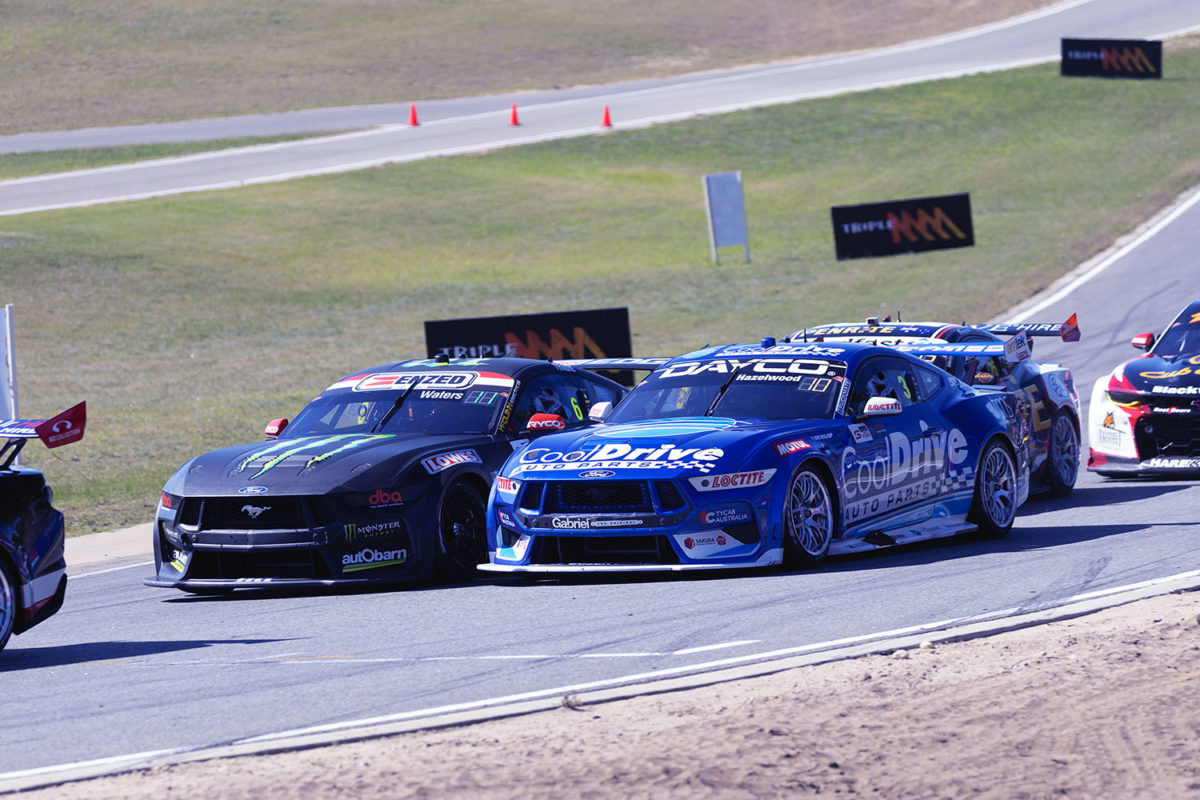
<point>726,208</point>
<point>8,372</point>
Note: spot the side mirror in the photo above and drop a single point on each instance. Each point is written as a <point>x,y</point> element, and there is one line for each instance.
<point>275,427</point>
<point>1143,341</point>
<point>542,423</point>
<point>600,411</point>
<point>882,407</point>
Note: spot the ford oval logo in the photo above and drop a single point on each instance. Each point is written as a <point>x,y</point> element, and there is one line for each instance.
<point>597,473</point>
<point>252,490</point>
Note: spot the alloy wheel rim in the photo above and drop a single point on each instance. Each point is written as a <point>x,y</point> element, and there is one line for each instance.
<point>998,484</point>
<point>810,513</point>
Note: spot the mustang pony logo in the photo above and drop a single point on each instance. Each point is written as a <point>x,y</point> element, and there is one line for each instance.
<point>255,511</point>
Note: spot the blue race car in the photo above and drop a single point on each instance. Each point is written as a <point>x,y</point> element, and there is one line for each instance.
<point>1049,388</point>
<point>751,455</point>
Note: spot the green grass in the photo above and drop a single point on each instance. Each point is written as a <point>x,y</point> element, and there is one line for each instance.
<point>189,322</point>
<point>79,63</point>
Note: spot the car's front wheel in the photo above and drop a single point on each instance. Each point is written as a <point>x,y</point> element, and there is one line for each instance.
<point>808,518</point>
<point>1063,455</point>
<point>8,603</point>
<point>995,504</point>
<point>462,534</point>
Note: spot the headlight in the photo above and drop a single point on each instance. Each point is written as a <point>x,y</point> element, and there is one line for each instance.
<point>1126,399</point>
<point>170,501</point>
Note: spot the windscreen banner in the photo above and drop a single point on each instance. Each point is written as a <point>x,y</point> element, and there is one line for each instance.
<point>893,227</point>
<point>1112,58</point>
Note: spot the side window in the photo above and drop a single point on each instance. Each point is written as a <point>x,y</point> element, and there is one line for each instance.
<point>929,383</point>
<point>883,377</point>
<point>597,392</point>
<point>557,393</point>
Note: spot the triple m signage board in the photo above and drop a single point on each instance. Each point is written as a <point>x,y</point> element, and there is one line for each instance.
<point>591,333</point>
<point>893,227</point>
<point>1112,58</point>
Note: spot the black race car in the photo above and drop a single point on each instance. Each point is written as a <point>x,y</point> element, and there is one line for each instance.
<point>383,477</point>
<point>33,573</point>
<point>1144,418</point>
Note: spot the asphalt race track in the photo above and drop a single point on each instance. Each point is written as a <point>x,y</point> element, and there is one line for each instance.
<point>126,669</point>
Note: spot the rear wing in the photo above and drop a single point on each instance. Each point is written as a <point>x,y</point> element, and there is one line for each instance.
<point>648,364</point>
<point>1068,331</point>
<point>1015,349</point>
<point>57,431</point>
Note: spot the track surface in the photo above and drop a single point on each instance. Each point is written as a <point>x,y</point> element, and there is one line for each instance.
<point>125,669</point>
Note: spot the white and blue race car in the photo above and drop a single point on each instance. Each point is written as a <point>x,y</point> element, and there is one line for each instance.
<point>752,455</point>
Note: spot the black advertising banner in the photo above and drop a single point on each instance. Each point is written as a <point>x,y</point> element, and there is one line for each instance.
<point>1112,58</point>
<point>903,226</point>
<point>593,333</point>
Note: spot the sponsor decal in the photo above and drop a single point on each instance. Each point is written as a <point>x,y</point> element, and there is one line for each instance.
<point>624,522</point>
<point>895,498</point>
<point>254,512</point>
<point>597,473</point>
<point>443,461</point>
<point>692,541</point>
<point>720,516</point>
<point>901,461</point>
<point>371,558</point>
<point>424,381</point>
<point>1184,390</point>
<point>1166,462</point>
<point>546,422</point>
<point>294,451</point>
<point>252,490</point>
<point>352,530</point>
<point>1109,422</point>
<point>861,433</point>
<point>732,480</point>
<point>619,455</point>
<point>1017,348</point>
<point>1110,437</point>
<point>570,523</point>
<point>809,350</point>
<point>507,485</point>
<point>441,395</point>
<point>753,366</point>
<point>882,405</point>
<point>504,518</point>
<point>384,497</point>
<point>792,446</point>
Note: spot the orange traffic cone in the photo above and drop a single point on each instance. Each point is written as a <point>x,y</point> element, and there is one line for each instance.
<point>512,118</point>
<point>607,120</point>
<point>412,115</point>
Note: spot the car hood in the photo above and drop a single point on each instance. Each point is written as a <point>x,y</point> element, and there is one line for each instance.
<point>653,449</point>
<point>312,464</point>
<point>1160,377</point>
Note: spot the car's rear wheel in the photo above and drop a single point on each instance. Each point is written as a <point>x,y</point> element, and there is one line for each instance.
<point>1063,455</point>
<point>8,603</point>
<point>995,504</point>
<point>462,534</point>
<point>808,518</point>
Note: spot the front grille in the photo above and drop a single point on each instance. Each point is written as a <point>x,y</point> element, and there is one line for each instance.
<point>626,550</point>
<point>284,562</point>
<point>253,514</point>
<point>601,497</point>
<point>1168,435</point>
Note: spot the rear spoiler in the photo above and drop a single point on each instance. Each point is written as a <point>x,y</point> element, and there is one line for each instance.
<point>649,363</point>
<point>65,428</point>
<point>1015,349</point>
<point>1067,331</point>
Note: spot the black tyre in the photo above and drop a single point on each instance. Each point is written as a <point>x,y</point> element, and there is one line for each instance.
<point>808,518</point>
<point>462,534</point>
<point>1062,465</point>
<point>8,603</point>
<point>995,502</point>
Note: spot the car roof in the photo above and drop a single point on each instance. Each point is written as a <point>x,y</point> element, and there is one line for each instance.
<point>834,351</point>
<point>509,366</point>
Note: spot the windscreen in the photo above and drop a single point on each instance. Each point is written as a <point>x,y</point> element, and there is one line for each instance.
<point>766,388</point>
<point>406,403</point>
<point>1183,337</point>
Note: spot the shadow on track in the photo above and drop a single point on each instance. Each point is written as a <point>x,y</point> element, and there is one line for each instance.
<point>17,658</point>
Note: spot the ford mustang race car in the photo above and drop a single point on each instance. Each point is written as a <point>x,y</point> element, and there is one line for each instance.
<point>1048,388</point>
<point>33,573</point>
<point>751,455</point>
<point>1144,418</point>
<point>381,478</point>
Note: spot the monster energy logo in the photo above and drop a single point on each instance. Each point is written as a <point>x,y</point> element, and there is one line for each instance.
<point>279,452</point>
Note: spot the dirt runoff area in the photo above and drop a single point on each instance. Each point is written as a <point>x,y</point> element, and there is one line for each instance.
<point>1101,706</point>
